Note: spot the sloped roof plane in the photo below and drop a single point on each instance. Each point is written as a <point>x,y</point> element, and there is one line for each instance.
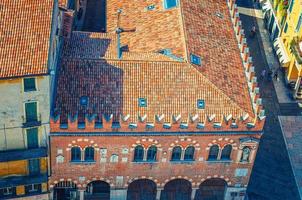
<point>24,37</point>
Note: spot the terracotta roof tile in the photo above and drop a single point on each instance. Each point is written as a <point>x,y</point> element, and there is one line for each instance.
<point>210,35</point>
<point>24,37</point>
<point>91,45</point>
<point>155,29</point>
<point>114,87</point>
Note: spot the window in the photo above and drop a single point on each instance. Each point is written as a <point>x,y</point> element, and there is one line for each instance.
<point>29,84</point>
<point>142,102</point>
<point>114,158</point>
<point>138,154</point>
<point>75,154</point>
<point>176,153</point>
<point>89,154</point>
<point>195,59</point>
<point>291,5</point>
<point>213,154</point>
<point>285,28</point>
<point>31,112</point>
<point>33,188</point>
<point>298,27</point>
<point>7,192</point>
<point>200,104</point>
<point>245,154</point>
<point>32,138</point>
<point>226,152</point>
<point>170,4</point>
<point>34,166</point>
<point>151,153</point>
<point>189,153</point>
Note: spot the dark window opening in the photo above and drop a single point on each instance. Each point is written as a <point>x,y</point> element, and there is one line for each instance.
<point>189,153</point>
<point>89,154</point>
<point>176,154</point>
<point>226,152</point>
<point>29,84</point>
<point>75,154</point>
<point>151,153</point>
<point>138,154</point>
<point>213,154</point>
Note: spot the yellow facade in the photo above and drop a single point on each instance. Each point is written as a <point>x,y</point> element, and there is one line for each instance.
<point>291,35</point>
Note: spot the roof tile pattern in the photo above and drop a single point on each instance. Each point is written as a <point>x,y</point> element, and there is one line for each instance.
<point>114,87</point>
<point>155,29</point>
<point>91,45</point>
<point>24,37</point>
<point>210,35</point>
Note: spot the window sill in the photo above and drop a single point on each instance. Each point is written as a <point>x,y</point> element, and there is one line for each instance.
<point>30,90</point>
<point>219,161</point>
<point>82,162</point>
<point>182,161</point>
<point>145,162</point>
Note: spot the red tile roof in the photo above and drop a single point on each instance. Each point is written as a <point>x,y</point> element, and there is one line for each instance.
<point>114,87</point>
<point>171,88</point>
<point>210,34</point>
<point>24,37</point>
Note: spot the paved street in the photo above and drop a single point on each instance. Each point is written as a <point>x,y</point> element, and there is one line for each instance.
<point>271,178</point>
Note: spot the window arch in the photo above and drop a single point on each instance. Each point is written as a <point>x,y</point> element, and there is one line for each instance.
<point>189,153</point>
<point>226,152</point>
<point>89,154</point>
<point>151,153</point>
<point>138,153</point>
<point>176,153</point>
<point>213,154</point>
<point>75,154</point>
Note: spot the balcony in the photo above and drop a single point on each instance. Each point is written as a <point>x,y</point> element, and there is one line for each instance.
<point>13,181</point>
<point>296,48</point>
<point>31,122</point>
<point>24,154</point>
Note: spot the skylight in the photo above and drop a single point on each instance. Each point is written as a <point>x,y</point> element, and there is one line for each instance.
<point>170,4</point>
<point>200,104</point>
<point>84,101</point>
<point>142,102</point>
<point>195,59</point>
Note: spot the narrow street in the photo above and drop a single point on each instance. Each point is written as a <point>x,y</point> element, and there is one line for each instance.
<point>271,178</point>
<point>95,18</point>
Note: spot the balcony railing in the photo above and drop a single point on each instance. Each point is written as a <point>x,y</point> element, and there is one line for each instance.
<point>24,154</point>
<point>13,181</point>
<point>295,49</point>
<point>31,122</point>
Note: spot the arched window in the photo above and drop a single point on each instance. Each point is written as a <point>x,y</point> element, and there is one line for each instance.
<point>89,154</point>
<point>226,152</point>
<point>245,154</point>
<point>138,153</point>
<point>151,153</point>
<point>213,154</point>
<point>176,153</point>
<point>75,154</point>
<point>189,153</point>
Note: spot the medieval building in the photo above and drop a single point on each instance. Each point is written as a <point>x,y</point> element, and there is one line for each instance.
<point>154,100</point>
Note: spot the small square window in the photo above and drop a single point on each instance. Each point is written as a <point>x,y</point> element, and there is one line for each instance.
<point>84,101</point>
<point>200,104</point>
<point>195,59</point>
<point>29,84</point>
<point>170,4</point>
<point>142,102</point>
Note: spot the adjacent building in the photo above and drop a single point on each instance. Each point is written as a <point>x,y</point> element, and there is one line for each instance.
<point>161,103</point>
<point>284,20</point>
<point>28,53</point>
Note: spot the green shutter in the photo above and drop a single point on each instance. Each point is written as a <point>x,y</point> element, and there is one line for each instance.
<point>31,112</point>
<point>299,23</point>
<point>29,84</point>
<point>32,138</point>
<point>291,6</point>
